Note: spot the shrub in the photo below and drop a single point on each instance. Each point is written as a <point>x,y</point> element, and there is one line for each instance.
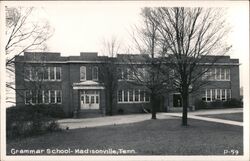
<point>199,104</point>
<point>120,111</point>
<point>28,120</point>
<point>233,103</point>
<point>216,104</point>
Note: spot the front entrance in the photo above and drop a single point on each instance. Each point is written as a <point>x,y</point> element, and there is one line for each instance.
<point>90,99</point>
<point>177,101</point>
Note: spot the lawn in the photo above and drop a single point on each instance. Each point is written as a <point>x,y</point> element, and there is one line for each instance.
<point>227,116</point>
<point>151,137</point>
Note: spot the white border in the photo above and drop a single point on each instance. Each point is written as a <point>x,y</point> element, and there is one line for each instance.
<point>147,158</point>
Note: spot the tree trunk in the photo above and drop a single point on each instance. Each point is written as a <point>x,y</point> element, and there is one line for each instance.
<point>185,107</point>
<point>153,106</point>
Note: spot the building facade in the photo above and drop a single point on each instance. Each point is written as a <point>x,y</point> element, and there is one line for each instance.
<point>77,83</point>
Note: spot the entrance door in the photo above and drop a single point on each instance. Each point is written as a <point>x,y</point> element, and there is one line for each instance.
<point>89,99</point>
<point>177,101</point>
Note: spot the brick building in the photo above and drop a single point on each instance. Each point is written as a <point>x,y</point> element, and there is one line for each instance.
<point>77,84</point>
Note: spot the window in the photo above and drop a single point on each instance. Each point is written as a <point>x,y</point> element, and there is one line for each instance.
<point>95,73</point>
<point>136,95</point>
<point>125,99</point>
<point>142,96</point>
<point>27,73</point>
<point>223,95</point>
<point>218,74</point>
<point>43,96</point>
<point>46,74</point>
<point>52,73</point>
<point>217,94</point>
<point>40,96</point>
<point>208,94</point>
<point>92,100</point>
<point>97,99</point>
<point>132,96</point>
<point>120,96</point>
<point>52,97</point>
<point>58,96</point>
<point>119,73</point>
<point>87,99</point>
<point>27,97</point>
<point>227,74</point>
<point>82,73</point>
<point>58,73</point>
<point>46,96</point>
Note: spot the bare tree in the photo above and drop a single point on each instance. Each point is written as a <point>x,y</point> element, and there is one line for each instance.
<point>24,32</point>
<point>150,74</point>
<point>191,36</point>
<point>109,72</point>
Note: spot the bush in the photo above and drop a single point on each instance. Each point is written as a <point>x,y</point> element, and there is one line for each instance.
<point>233,103</point>
<point>28,120</point>
<point>216,104</point>
<point>120,111</point>
<point>199,104</point>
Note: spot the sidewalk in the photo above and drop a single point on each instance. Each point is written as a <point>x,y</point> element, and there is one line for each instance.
<point>108,120</point>
<point>125,119</point>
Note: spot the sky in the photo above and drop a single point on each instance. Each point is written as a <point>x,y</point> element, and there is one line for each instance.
<point>82,27</point>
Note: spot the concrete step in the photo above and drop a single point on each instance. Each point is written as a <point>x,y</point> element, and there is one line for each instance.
<point>90,113</point>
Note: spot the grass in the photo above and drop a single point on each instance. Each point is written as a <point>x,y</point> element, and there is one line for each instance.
<point>151,137</point>
<point>227,116</point>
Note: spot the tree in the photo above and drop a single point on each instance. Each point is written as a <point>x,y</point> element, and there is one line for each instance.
<point>24,32</point>
<point>189,37</point>
<point>150,75</point>
<point>109,72</point>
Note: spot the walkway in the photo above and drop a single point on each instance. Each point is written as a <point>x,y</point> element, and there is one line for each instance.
<point>125,119</point>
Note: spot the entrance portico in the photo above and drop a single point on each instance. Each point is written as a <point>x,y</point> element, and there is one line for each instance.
<point>90,96</point>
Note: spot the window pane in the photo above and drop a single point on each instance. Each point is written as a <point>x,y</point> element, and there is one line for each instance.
<point>97,99</point>
<point>82,98</point>
<point>58,97</point>
<point>95,73</point>
<point>33,74</point>
<point>227,74</point>
<point>87,99</point>
<point>34,96</point>
<point>131,96</point>
<point>46,96</point>
<point>92,99</point>
<point>208,95</point>
<point>223,96</point>
<point>213,94</point>
<point>52,96</point>
<point>40,96</point>
<point>223,72</point>
<point>83,73</point>
<point>142,96</point>
<point>218,94</point>
<point>120,96</point>
<point>119,73</point>
<point>52,74</point>
<point>212,74</point>
<point>27,97</point>
<point>27,73</point>
<point>218,73</point>
<point>46,74</point>
<point>125,96</point>
<point>136,95</point>
<point>58,73</point>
